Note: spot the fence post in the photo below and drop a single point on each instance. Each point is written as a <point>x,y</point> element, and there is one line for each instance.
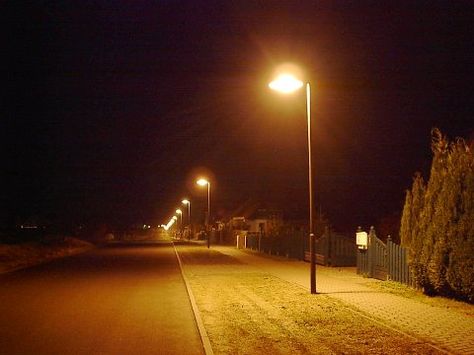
<point>371,252</point>
<point>361,266</point>
<point>327,252</point>
<point>390,253</point>
<point>302,244</point>
<point>401,263</point>
<point>404,264</point>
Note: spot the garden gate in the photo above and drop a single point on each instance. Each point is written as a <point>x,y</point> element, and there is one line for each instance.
<point>384,261</point>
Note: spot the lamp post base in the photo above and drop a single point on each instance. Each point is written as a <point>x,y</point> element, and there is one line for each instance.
<point>312,251</point>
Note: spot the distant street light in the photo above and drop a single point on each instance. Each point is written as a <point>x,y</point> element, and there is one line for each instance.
<point>204,182</point>
<point>188,203</point>
<point>287,83</point>
<point>190,229</point>
<point>170,223</point>
<point>180,214</point>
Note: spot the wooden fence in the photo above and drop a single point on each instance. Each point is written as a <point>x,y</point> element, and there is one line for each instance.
<point>384,261</point>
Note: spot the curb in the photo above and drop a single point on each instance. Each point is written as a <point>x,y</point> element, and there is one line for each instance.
<point>197,315</point>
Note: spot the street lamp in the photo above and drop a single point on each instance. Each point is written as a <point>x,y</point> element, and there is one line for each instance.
<point>287,83</point>
<point>170,223</point>
<point>180,214</point>
<point>175,220</point>
<point>188,203</point>
<point>204,182</point>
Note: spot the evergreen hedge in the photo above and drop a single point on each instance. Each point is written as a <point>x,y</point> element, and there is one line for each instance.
<point>437,223</point>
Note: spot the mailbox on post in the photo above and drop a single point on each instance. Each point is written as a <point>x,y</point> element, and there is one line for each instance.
<point>362,240</point>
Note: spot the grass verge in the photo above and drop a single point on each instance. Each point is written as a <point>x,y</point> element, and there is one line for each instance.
<point>250,312</point>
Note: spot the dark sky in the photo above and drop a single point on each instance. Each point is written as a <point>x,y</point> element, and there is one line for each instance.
<point>112,108</point>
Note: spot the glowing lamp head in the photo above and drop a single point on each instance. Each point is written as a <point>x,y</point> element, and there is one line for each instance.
<point>285,83</point>
<point>202,182</point>
<point>178,211</point>
<point>175,218</point>
<point>185,202</point>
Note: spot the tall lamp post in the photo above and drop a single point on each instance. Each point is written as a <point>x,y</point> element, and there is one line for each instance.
<point>204,182</point>
<point>175,219</point>
<point>186,202</point>
<point>180,214</point>
<point>287,83</point>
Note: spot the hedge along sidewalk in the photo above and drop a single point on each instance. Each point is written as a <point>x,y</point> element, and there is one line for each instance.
<point>447,328</point>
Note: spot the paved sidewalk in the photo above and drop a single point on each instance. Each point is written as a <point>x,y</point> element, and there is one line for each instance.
<point>445,328</point>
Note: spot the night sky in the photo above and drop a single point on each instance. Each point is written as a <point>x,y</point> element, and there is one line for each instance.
<point>111,109</point>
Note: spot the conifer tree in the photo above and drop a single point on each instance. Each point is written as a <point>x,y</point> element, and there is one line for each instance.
<point>460,275</point>
<point>406,223</point>
<point>427,229</point>
<point>445,215</point>
<point>416,200</point>
<point>438,221</point>
<point>410,236</point>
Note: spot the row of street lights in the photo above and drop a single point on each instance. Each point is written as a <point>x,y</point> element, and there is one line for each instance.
<point>179,212</point>
<point>284,83</point>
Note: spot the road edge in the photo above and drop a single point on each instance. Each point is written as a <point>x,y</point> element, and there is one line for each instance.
<point>197,315</point>
<point>48,259</point>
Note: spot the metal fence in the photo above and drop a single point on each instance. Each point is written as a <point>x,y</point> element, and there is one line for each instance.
<point>398,268</point>
<point>331,249</point>
<point>290,243</point>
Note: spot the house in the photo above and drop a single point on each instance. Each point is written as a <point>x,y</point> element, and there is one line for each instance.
<point>260,221</point>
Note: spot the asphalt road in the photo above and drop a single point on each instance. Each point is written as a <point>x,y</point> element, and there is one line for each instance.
<point>119,299</point>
